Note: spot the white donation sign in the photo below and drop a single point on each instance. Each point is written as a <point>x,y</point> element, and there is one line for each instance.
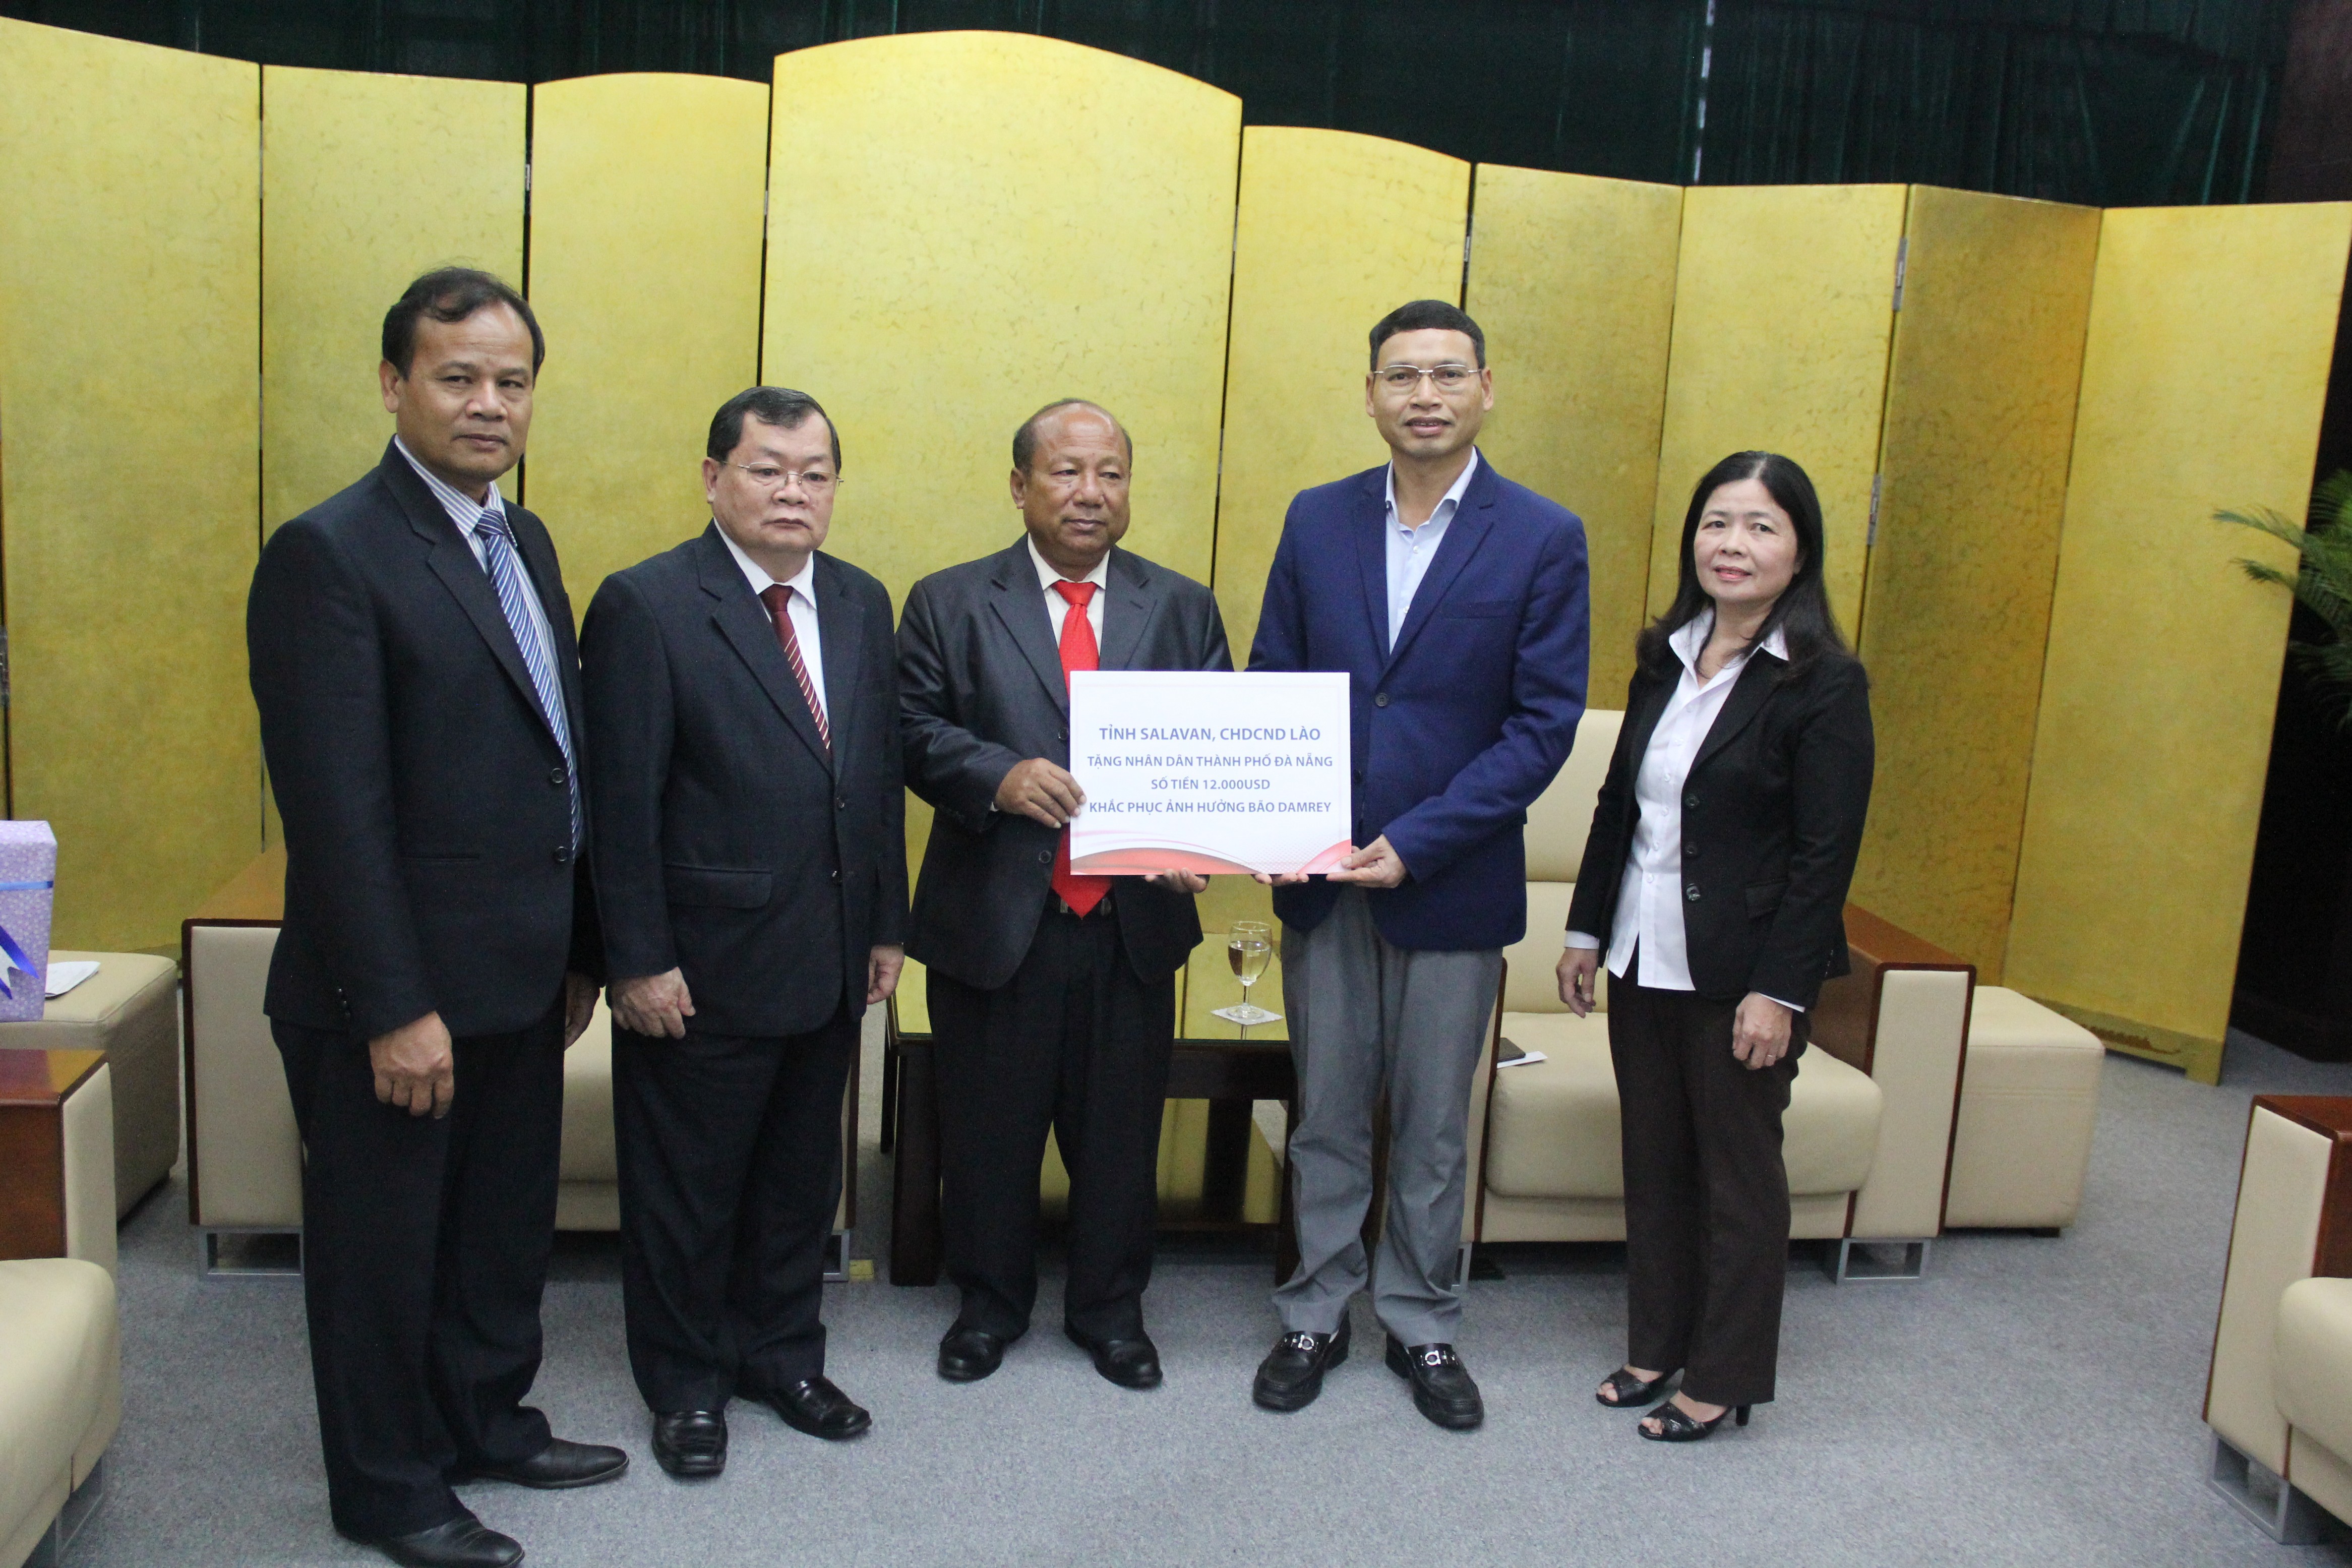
<point>1209,772</point>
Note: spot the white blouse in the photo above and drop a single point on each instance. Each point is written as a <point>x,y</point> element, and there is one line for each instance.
<point>1650,898</point>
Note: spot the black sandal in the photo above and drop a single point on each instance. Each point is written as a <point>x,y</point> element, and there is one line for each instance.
<point>1676,1425</point>
<point>1621,1390</point>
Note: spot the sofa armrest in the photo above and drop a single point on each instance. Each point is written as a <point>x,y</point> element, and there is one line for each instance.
<point>57,1156</point>
<point>2294,1221</point>
<point>1902,1017</point>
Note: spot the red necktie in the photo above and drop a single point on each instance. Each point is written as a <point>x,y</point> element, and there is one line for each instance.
<point>1078,652</point>
<point>779,598</point>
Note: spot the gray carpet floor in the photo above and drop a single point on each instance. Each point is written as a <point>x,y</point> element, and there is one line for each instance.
<point>2034,1401</point>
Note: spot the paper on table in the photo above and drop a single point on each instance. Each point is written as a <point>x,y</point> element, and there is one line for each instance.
<point>1522,1060</point>
<point>66,973</point>
<point>1210,770</point>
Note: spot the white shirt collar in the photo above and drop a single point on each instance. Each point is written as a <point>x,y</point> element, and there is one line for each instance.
<point>1447,504</point>
<point>803,582</point>
<point>1048,576</point>
<point>462,509</point>
<point>1690,641</point>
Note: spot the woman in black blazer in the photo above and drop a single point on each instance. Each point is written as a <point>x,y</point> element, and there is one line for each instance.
<point>1715,880</point>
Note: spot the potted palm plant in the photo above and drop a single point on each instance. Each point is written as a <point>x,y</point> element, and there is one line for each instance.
<point>2322,583</point>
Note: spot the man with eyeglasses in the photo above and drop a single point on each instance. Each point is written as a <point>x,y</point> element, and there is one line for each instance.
<point>1456,601</point>
<point>1052,997</point>
<point>751,874</point>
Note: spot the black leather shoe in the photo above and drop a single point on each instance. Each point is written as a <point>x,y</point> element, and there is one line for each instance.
<point>562,1463</point>
<point>1130,1363</point>
<point>691,1443</point>
<point>1442,1387</point>
<point>463,1542</point>
<point>967,1356</point>
<point>816,1407</point>
<point>1292,1373</point>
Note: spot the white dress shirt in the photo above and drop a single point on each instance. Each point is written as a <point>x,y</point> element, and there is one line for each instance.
<point>467,514</point>
<point>1650,898</point>
<point>801,607</point>
<point>1057,608</point>
<point>1410,550</point>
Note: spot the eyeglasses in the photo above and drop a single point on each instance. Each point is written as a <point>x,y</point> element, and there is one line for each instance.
<point>767,476</point>
<point>1449,377</point>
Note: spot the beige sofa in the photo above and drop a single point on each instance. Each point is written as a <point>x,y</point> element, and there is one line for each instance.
<point>2279,1397</point>
<point>130,1010</point>
<point>61,1352</point>
<point>1918,1108</point>
<point>245,1157</point>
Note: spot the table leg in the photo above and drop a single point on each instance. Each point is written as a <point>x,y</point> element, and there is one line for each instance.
<point>889,1094</point>
<point>1224,1174</point>
<point>1286,1245</point>
<point>915,1246</point>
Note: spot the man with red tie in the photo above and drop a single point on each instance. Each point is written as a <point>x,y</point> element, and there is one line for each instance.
<point>1052,997</point>
<point>751,862</point>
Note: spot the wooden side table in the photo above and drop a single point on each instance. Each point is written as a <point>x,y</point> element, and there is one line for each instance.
<point>1229,1074</point>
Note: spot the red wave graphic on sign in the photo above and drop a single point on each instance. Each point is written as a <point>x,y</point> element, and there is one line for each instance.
<point>1150,859</point>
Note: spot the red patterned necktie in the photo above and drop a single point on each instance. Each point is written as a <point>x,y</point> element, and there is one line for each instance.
<point>779,598</point>
<point>1078,652</point>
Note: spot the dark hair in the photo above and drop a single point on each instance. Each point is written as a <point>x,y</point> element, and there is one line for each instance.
<point>452,294</point>
<point>1427,315</point>
<point>777,405</point>
<point>1801,615</point>
<point>1024,440</point>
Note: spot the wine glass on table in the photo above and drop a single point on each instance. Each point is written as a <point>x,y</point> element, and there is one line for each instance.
<point>1249,948</point>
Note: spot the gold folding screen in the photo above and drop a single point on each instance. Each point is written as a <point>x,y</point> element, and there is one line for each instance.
<point>2203,375</point>
<point>1335,231</point>
<point>129,257</point>
<point>966,225</point>
<point>1979,422</point>
<point>645,273</point>
<point>1784,303</point>
<point>1572,281</point>
<point>367,182</point>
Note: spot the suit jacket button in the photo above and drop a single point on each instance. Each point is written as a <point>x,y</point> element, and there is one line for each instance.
<point>1689,851</point>
<point>1691,893</point>
<point>556,777</point>
<point>1381,699</point>
<point>1044,856</point>
<point>563,854</point>
<point>1690,803</point>
<point>840,803</point>
<point>1061,734</point>
<point>836,876</point>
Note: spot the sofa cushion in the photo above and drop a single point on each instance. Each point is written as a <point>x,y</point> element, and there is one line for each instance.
<point>2312,1362</point>
<point>54,1378</point>
<point>1554,1128</point>
<point>588,1103</point>
<point>2029,1104</point>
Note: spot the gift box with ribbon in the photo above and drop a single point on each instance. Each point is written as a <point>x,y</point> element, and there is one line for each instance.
<point>28,872</point>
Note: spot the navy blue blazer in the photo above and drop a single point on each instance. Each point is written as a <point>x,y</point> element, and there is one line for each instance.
<point>1464,723</point>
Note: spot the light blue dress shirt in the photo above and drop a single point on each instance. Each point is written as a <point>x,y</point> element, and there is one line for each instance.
<point>1410,550</point>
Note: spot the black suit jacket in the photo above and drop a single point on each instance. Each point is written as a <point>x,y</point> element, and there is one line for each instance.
<point>1772,818</point>
<point>729,843</point>
<point>428,822</point>
<point>980,690</point>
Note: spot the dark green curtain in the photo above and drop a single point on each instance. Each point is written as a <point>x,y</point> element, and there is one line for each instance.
<point>2113,102</point>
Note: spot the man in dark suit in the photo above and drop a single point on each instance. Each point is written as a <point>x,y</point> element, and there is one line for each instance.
<point>413,661</point>
<point>1051,995</point>
<point>751,876</point>
<point>1456,600</point>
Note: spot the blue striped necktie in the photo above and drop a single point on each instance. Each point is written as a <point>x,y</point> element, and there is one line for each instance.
<point>507,575</point>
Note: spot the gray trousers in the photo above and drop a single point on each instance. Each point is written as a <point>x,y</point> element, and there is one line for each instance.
<point>1365,1015</point>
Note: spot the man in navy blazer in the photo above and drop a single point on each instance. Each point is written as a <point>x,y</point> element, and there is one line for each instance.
<point>1456,602</point>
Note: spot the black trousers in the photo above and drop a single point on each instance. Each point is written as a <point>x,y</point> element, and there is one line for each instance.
<point>1076,1042</point>
<point>729,1150</point>
<point>1707,1195</point>
<point>425,1247</point>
